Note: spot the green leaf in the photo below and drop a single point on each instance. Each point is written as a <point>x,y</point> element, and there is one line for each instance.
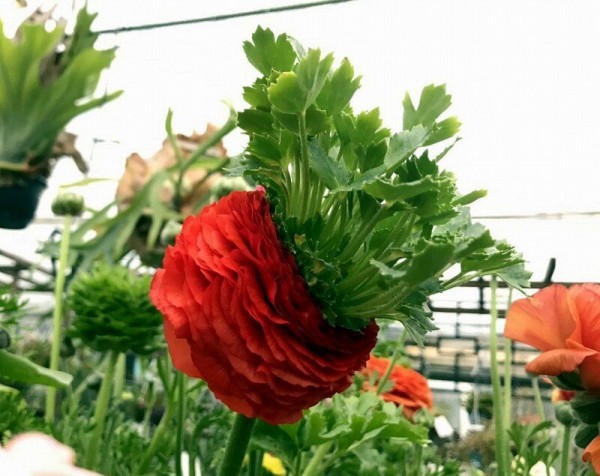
<point>275,440</point>
<point>433,102</point>
<point>443,130</point>
<point>394,192</point>
<point>256,121</point>
<point>339,89</point>
<point>267,53</point>
<point>428,261</point>
<point>22,370</point>
<point>331,173</point>
<point>516,276</point>
<point>285,94</point>
<point>403,145</point>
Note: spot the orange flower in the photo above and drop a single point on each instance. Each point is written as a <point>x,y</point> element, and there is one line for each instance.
<point>410,390</point>
<point>592,454</point>
<point>565,325</point>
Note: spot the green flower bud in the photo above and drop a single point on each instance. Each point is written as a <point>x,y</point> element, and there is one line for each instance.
<point>564,413</point>
<point>587,407</point>
<point>585,434</point>
<point>113,311</point>
<point>68,203</point>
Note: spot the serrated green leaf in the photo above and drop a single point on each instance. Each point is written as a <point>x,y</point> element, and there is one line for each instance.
<point>285,94</point>
<point>312,73</point>
<point>22,370</point>
<point>403,144</point>
<point>432,103</point>
<point>443,130</point>
<point>267,53</point>
<point>331,173</point>
<point>256,121</point>
<point>339,89</point>
<point>394,192</point>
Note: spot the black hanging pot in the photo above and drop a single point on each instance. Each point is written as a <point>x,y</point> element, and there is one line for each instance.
<point>19,198</point>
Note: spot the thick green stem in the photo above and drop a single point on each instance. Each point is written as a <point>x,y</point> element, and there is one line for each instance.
<point>315,466</point>
<point>501,457</point>
<point>237,445</point>
<point>119,377</point>
<point>57,317</point>
<point>359,239</point>
<point>395,356</point>
<point>181,403</point>
<point>100,411</point>
<point>537,395</point>
<point>566,446</point>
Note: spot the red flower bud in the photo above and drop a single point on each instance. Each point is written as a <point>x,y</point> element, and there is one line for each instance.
<point>239,315</point>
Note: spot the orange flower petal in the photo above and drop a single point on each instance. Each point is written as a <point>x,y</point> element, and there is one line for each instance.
<point>543,321</point>
<point>557,361</point>
<point>586,299</point>
<point>592,453</point>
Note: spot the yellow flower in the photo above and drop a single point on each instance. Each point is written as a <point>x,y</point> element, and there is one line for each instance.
<point>273,465</point>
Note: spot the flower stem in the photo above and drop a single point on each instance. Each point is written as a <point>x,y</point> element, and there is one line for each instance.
<point>58,313</point>
<point>508,373</point>
<point>156,440</point>
<point>315,464</point>
<point>237,445</point>
<point>566,446</point>
<point>100,411</point>
<point>393,360</point>
<point>497,391</point>
<point>537,395</point>
<point>305,174</point>
<point>181,403</point>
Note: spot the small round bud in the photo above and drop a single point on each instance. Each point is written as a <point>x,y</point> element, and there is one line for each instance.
<point>68,203</point>
<point>170,232</point>
<point>564,413</point>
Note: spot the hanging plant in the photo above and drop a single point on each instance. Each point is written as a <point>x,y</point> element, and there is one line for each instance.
<point>47,78</point>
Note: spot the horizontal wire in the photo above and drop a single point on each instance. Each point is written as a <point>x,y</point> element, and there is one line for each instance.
<point>215,18</point>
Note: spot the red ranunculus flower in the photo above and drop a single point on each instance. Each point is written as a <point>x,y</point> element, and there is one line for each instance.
<point>410,390</point>
<point>239,315</point>
<point>565,325</point>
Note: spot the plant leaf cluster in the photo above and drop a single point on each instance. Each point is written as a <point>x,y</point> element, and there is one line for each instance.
<point>344,424</point>
<point>46,79</point>
<point>372,219</point>
<point>113,311</point>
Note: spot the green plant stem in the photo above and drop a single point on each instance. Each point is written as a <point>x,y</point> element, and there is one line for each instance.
<point>566,447</point>
<point>501,457</point>
<point>305,174</point>
<point>537,395</point>
<point>119,377</point>
<point>57,316</point>
<point>315,464</point>
<point>100,411</point>
<point>419,460</point>
<point>181,404</point>
<point>255,463</point>
<point>157,438</point>
<point>508,374</point>
<point>395,356</point>
<point>237,445</point>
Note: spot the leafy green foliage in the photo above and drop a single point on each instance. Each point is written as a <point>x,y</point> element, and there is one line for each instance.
<point>17,417</point>
<point>344,426</point>
<point>41,91</point>
<point>19,369</point>
<point>532,445</point>
<point>374,222</point>
<point>113,311</point>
